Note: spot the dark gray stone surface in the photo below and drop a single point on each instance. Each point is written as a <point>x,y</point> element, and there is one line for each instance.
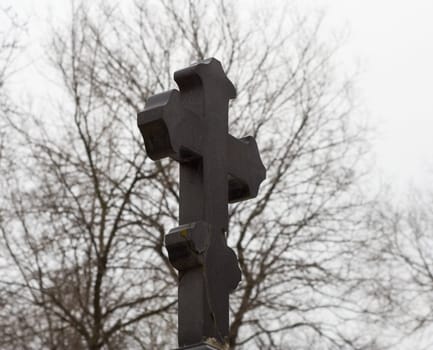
<point>191,127</point>
<point>199,347</point>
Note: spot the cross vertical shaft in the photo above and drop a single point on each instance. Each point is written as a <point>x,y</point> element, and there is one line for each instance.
<point>204,197</point>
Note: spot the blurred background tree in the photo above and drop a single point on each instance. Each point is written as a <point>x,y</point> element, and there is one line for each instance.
<point>404,253</point>
<point>85,211</point>
<point>9,49</point>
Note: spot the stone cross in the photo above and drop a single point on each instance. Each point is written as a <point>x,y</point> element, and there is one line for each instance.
<point>190,125</point>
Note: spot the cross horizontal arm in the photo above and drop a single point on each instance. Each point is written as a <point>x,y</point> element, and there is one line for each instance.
<point>245,168</point>
<point>168,129</point>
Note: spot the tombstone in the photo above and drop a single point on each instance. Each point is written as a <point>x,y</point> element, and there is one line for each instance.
<point>190,125</point>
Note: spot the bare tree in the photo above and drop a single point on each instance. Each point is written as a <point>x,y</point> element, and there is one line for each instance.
<point>405,253</point>
<point>87,211</point>
<point>10,31</point>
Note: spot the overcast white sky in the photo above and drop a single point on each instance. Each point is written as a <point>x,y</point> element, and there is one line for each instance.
<point>393,42</point>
